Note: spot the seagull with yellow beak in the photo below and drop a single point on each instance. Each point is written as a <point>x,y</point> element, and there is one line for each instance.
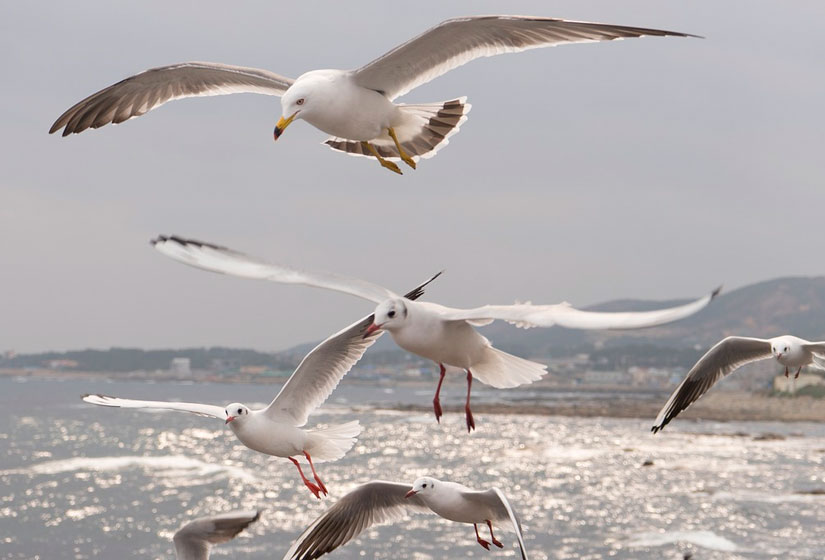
<point>355,106</point>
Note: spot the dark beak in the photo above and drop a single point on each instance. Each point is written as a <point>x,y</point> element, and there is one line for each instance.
<point>371,329</point>
<point>410,494</point>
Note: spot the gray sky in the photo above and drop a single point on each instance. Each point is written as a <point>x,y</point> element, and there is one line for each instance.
<point>647,168</point>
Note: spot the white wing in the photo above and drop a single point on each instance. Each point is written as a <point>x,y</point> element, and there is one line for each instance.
<point>193,540</point>
<point>817,348</point>
<point>226,261</point>
<point>370,504</point>
<point>323,368</point>
<point>197,408</point>
<point>719,361</point>
<point>455,42</point>
<point>143,92</point>
<point>526,315</point>
<point>495,501</point>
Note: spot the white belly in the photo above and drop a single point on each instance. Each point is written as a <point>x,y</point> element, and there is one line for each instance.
<point>261,434</point>
<point>354,113</point>
<point>453,343</point>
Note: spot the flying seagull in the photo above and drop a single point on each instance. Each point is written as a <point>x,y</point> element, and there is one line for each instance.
<point>354,106</point>
<point>276,430</point>
<point>194,540</point>
<point>729,355</point>
<point>380,502</point>
<point>442,334</point>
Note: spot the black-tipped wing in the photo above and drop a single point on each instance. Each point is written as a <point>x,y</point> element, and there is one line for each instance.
<point>527,315</point>
<point>457,41</point>
<point>196,408</point>
<point>193,540</point>
<point>323,368</point>
<point>721,360</point>
<point>143,92</point>
<point>223,260</point>
<point>370,504</point>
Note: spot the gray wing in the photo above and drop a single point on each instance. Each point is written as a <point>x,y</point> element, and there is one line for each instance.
<point>143,92</point>
<point>196,408</point>
<point>193,540</point>
<point>223,260</point>
<point>323,368</point>
<point>721,360</point>
<point>496,502</point>
<point>373,503</point>
<point>457,41</point>
<point>527,315</point>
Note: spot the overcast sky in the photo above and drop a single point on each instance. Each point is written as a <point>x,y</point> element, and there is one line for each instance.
<point>645,168</point>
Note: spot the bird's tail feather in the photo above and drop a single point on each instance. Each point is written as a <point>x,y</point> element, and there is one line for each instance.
<point>503,370</point>
<point>332,443</point>
<point>425,129</point>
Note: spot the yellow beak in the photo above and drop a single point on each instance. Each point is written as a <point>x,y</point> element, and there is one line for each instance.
<point>282,124</point>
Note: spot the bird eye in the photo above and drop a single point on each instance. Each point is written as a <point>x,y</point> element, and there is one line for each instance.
<point>391,314</point>
<point>240,411</point>
<point>424,486</point>
<point>786,349</point>
<point>300,101</point>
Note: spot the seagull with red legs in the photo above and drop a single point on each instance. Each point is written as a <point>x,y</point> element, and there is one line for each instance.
<point>442,334</point>
<point>277,429</point>
<point>379,502</point>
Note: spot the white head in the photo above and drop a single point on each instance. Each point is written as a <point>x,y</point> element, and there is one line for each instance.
<point>390,314</point>
<point>236,412</point>
<point>423,486</point>
<point>303,98</point>
<point>783,346</point>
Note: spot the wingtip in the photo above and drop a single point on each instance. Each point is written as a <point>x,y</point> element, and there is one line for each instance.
<point>716,292</point>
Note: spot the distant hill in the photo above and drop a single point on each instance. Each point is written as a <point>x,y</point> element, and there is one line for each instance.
<point>783,305</point>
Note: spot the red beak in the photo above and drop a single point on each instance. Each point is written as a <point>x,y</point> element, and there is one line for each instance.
<point>410,493</point>
<point>229,419</point>
<point>371,329</point>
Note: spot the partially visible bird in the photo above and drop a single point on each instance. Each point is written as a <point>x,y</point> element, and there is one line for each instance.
<point>729,355</point>
<point>276,430</point>
<point>194,540</point>
<point>379,502</point>
<point>355,106</point>
<point>442,334</point>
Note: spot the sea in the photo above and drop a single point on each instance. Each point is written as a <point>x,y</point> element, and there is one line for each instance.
<point>79,481</point>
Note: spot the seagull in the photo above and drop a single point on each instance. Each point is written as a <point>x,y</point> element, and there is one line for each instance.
<point>729,355</point>
<point>276,430</point>
<point>380,502</point>
<point>355,106</point>
<point>194,540</point>
<point>442,334</point>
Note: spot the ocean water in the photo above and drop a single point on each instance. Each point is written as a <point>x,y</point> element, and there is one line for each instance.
<point>79,481</point>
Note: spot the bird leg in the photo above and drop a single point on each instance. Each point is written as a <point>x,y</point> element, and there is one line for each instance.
<point>312,487</point>
<point>468,414</point>
<point>384,163</point>
<point>493,538</point>
<point>437,398</point>
<point>407,159</point>
<point>786,371</point>
<point>315,474</point>
<point>481,541</point>
<point>797,373</point>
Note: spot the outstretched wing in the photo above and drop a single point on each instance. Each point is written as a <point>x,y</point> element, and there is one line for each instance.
<point>719,361</point>
<point>193,540</point>
<point>323,368</point>
<point>526,315</point>
<point>226,261</point>
<point>143,92</point>
<point>197,408</point>
<point>373,503</point>
<point>457,41</point>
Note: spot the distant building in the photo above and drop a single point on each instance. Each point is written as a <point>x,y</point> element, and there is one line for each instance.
<point>253,370</point>
<point>61,364</point>
<point>225,365</point>
<point>181,366</point>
